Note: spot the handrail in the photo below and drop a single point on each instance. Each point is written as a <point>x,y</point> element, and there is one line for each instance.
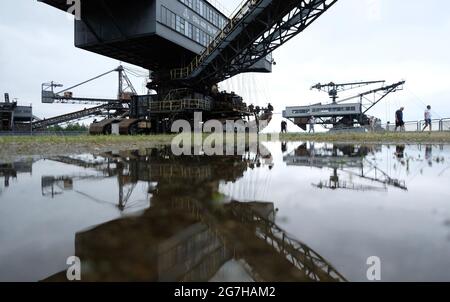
<point>184,72</point>
<point>443,125</point>
<point>180,105</point>
<point>220,7</point>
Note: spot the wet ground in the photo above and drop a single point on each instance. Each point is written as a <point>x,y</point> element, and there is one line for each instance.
<point>308,211</point>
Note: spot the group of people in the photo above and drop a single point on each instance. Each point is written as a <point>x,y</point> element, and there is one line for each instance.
<point>400,123</point>
<point>258,109</point>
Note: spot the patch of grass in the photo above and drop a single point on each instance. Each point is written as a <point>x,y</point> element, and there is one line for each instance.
<point>84,139</point>
<point>19,147</point>
<point>387,137</point>
<point>15,147</point>
<point>408,137</point>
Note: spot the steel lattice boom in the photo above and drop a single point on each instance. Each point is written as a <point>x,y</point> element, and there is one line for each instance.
<point>65,118</point>
<point>258,28</point>
<point>164,35</point>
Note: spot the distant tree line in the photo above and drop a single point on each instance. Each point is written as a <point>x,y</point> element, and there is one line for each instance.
<point>76,127</point>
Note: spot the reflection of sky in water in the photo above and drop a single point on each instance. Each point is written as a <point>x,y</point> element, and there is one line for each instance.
<point>409,230</point>
<point>406,229</point>
<point>37,232</point>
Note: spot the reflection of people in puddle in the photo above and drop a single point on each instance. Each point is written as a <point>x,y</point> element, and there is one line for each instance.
<point>312,150</point>
<point>283,147</point>
<point>400,151</point>
<point>429,154</point>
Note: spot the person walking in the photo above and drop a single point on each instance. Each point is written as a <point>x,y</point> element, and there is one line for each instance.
<point>283,127</point>
<point>312,122</point>
<point>428,119</point>
<point>399,122</point>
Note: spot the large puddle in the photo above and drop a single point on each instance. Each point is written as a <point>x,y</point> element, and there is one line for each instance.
<point>307,212</point>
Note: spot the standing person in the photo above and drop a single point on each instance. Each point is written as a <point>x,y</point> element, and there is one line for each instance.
<point>372,123</point>
<point>399,122</point>
<point>400,151</point>
<point>428,119</point>
<point>429,154</point>
<point>283,147</point>
<point>283,127</point>
<point>312,122</point>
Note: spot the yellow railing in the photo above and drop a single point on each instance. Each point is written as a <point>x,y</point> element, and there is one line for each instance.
<point>180,105</point>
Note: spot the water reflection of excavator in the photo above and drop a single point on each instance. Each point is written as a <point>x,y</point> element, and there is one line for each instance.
<point>100,167</point>
<point>10,171</point>
<point>347,159</point>
<point>190,232</point>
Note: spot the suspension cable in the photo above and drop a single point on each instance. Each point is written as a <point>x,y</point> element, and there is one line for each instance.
<point>97,77</point>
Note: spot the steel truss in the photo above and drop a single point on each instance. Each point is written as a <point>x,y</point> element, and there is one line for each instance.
<point>248,39</point>
<point>379,95</point>
<point>65,118</point>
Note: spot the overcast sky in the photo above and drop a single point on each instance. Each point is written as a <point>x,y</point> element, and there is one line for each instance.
<point>355,40</point>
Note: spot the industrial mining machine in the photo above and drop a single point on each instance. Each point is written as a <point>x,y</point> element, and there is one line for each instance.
<point>344,114</point>
<point>189,47</point>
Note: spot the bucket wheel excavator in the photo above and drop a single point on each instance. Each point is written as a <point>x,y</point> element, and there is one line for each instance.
<point>189,47</point>
<point>341,114</point>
